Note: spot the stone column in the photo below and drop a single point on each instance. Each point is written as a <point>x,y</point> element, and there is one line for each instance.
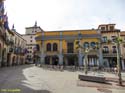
<point>66,62</point>
<point>50,63</point>
<point>84,61</point>
<point>92,61</point>
<point>60,49</point>
<point>42,54</point>
<point>123,65</point>
<point>97,60</point>
<point>60,59</point>
<point>42,60</point>
<point>80,57</point>
<point>100,56</point>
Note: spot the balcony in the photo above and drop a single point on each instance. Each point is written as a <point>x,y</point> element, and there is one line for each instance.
<point>51,52</point>
<point>68,51</point>
<point>109,53</point>
<point>11,41</point>
<point>104,41</point>
<point>7,41</point>
<point>11,50</point>
<point>105,52</point>
<point>17,50</point>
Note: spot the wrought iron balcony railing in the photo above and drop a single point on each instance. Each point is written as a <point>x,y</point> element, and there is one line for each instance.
<point>110,54</point>
<point>70,51</point>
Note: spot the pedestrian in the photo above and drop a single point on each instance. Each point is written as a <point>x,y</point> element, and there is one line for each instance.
<point>115,70</point>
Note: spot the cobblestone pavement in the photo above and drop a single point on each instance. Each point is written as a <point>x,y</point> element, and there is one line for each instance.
<point>32,79</point>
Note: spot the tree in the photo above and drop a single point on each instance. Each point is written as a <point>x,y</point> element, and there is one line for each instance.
<point>117,41</point>
<point>86,50</point>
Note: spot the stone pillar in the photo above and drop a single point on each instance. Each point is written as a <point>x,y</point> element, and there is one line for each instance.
<point>42,55</point>
<point>60,59</point>
<point>42,60</point>
<point>80,56</point>
<point>100,56</point>
<point>92,61</point>
<point>123,65</point>
<point>97,60</point>
<point>66,62</point>
<point>50,63</point>
<point>84,61</point>
<point>60,51</point>
<point>60,45</point>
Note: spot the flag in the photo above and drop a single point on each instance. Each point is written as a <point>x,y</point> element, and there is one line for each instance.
<point>1,18</point>
<point>13,26</point>
<point>6,26</point>
<point>25,50</point>
<point>34,49</point>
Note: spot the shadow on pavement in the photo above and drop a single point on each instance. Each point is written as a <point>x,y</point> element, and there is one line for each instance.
<point>12,81</point>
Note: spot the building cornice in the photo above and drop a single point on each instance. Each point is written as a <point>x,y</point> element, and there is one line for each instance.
<point>61,37</point>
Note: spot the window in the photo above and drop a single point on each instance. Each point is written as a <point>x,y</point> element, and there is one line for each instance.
<point>124,45</point>
<point>111,28</point>
<point>48,47</point>
<point>113,38</point>
<point>37,47</point>
<point>27,51</point>
<point>70,47</point>
<point>105,49</point>
<point>102,28</point>
<point>31,36</point>
<point>30,47</point>
<point>93,44</point>
<point>27,56</point>
<point>55,47</point>
<point>114,49</point>
<point>86,45</point>
<point>30,40</point>
<point>104,39</point>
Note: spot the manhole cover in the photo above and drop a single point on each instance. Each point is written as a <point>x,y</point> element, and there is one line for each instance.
<point>104,90</point>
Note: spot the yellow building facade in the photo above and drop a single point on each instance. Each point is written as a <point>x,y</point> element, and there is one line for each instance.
<point>59,47</point>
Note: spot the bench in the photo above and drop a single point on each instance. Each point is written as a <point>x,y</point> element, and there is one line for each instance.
<point>92,78</point>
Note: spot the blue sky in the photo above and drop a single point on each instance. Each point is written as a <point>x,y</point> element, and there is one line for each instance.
<point>65,14</point>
